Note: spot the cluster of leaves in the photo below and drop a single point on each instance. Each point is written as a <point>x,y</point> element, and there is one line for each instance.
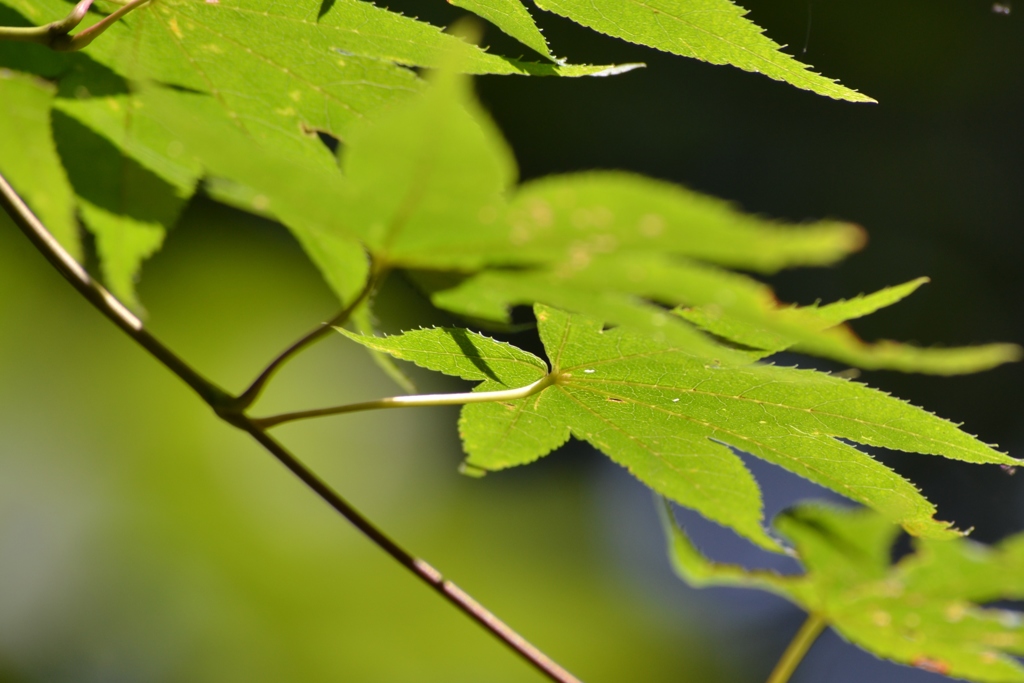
<point>657,364</point>
<point>672,418</point>
<point>926,610</point>
<point>86,146</point>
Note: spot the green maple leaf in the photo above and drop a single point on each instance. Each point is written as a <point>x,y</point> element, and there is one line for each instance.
<point>609,245</point>
<point>714,31</point>
<point>671,418</point>
<point>130,180</point>
<point>924,611</point>
<point>828,316</point>
<point>29,158</point>
<point>619,287</point>
<point>126,187</point>
<point>312,69</point>
<point>820,330</point>
<point>512,17</point>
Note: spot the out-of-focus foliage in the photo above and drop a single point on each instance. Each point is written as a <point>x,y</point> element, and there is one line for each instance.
<point>30,157</point>
<point>240,95</point>
<point>277,73</point>
<point>141,540</point>
<point>926,610</point>
<point>608,245</point>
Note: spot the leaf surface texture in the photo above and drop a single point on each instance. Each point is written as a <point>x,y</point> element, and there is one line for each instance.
<point>672,418</point>
<point>924,611</point>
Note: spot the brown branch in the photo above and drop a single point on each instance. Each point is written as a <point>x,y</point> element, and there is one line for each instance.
<point>223,404</point>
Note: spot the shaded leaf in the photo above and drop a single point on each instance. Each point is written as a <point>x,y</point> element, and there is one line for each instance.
<point>128,208</point>
<point>573,216</point>
<point>460,353</point>
<point>29,158</point>
<point>102,101</point>
<point>614,287</point>
<point>132,177</point>
<point>714,31</point>
<point>304,191</point>
<point>29,57</point>
<point>923,611</point>
<point>438,161</point>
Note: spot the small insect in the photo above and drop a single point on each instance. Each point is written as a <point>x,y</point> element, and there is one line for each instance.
<point>1001,8</point>
<point>1009,469</point>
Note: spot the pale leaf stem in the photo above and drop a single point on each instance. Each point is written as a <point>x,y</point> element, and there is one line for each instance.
<point>218,399</point>
<point>797,649</point>
<point>418,401</point>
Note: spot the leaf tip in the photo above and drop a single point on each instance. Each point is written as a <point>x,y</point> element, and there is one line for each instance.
<point>856,237</point>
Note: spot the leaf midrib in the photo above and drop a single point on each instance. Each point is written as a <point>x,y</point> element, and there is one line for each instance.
<point>784,64</point>
<point>812,411</point>
<point>341,29</point>
<point>717,428</point>
<point>657,454</point>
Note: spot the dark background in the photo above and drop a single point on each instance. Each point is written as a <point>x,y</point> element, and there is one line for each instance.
<point>935,172</point>
<point>141,541</point>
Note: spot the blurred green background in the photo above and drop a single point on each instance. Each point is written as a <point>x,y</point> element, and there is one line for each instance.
<point>143,540</point>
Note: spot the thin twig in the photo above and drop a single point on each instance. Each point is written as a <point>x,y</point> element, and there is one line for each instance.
<point>418,401</point>
<point>107,304</point>
<point>798,647</point>
<point>218,399</point>
<point>56,34</point>
<point>249,396</point>
<point>90,34</point>
<point>455,595</point>
<point>48,35</point>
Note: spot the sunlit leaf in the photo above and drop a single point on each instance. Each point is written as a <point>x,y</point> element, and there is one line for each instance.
<point>671,418</point>
<point>282,69</point>
<point>830,315</point>
<point>614,287</point>
<point>438,161</point>
<point>460,353</point>
<point>924,611</point>
<point>362,319</point>
<point>715,31</point>
<point>512,18</point>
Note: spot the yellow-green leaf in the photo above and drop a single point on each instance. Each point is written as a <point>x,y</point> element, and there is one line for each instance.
<point>925,611</point>
<point>715,31</point>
